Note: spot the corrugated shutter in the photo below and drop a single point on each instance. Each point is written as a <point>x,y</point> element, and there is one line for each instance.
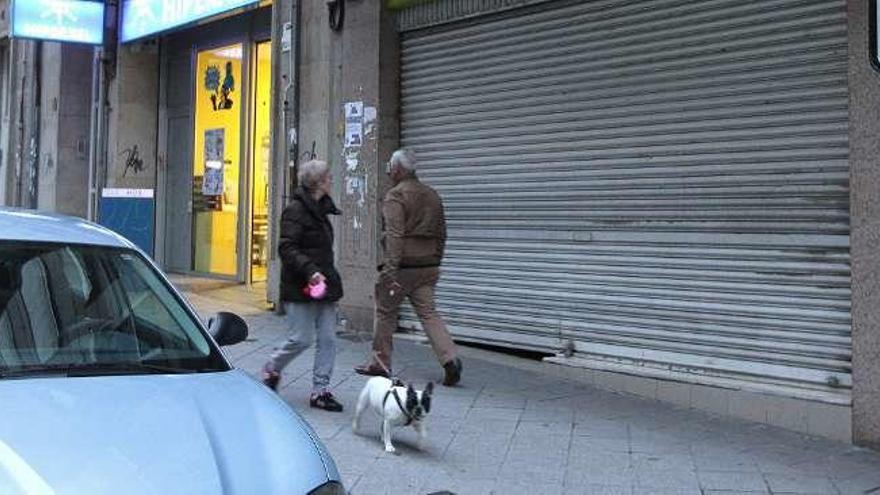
<point>435,12</point>
<point>663,181</point>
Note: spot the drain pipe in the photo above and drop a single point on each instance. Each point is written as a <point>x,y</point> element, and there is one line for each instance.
<point>18,193</point>
<point>103,70</point>
<point>281,189</point>
<point>94,133</point>
<point>36,124</point>
<point>291,103</point>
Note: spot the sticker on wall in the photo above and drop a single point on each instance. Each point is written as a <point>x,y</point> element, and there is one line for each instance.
<point>357,186</point>
<point>354,134</point>
<point>220,86</point>
<point>354,111</point>
<point>369,120</point>
<point>354,124</point>
<point>352,185</point>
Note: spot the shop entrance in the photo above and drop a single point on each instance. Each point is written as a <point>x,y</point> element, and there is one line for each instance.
<point>261,153</point>
<point>213,160</point>
<point>231,161</point>
<point>217,160</point>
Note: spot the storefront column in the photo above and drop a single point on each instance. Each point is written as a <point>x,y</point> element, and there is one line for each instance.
<point>133,119</point>
<point>864,142</point>
<point>369,80</point>
<point>285,132</point>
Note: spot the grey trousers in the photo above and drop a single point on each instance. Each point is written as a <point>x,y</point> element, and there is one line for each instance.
<point>310,322</point>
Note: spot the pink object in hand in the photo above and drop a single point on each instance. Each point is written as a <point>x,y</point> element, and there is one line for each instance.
<point>318,290</point>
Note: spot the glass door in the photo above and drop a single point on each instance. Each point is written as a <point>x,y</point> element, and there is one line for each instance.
<point>216,160</point>
<point>262,158</point>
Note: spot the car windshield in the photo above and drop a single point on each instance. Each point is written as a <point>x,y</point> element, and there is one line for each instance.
<point>84,310</point>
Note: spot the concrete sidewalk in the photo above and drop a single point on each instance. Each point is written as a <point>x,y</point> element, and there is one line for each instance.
<point>515,427</point>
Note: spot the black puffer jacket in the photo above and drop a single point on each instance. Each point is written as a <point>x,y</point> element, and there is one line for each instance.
<point>306,247</point>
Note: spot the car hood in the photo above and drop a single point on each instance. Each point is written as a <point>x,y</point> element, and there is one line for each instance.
<point>207,433</point>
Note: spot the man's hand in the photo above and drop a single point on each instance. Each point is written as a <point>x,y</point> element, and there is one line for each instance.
<point>389,283</point>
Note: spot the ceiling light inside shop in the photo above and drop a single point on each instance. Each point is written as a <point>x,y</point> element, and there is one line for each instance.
<point>234,52</point>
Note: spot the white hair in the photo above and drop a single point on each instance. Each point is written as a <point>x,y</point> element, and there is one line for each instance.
<point>405,158</point>
<point>311,173</point>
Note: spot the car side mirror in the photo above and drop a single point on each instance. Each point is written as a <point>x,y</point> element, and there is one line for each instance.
<point>228,328</point>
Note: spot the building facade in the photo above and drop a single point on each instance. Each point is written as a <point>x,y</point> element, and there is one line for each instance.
<point>670,198</point>
<point>45,112</point>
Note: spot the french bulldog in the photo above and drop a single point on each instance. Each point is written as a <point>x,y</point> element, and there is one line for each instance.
<point>398,405</point>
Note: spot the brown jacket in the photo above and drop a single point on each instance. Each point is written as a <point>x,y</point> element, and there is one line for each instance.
<point>415,227</point>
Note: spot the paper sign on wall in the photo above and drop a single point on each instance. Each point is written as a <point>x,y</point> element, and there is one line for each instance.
<point>354,124</point>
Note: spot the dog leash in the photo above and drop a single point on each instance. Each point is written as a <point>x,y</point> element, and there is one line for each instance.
<point>378,360</point>
<point>395,381</point>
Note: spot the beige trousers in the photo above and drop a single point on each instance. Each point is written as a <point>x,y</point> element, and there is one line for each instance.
<point>417,284</point>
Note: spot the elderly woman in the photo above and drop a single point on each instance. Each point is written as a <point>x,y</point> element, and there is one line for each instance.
<point>306,250</point>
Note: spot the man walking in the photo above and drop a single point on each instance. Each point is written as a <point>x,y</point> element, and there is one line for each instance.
<point>414,239</point>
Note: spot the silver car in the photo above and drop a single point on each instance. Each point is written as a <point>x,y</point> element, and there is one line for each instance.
<point>110,384</point>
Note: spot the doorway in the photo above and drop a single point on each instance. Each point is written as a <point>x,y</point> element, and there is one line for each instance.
<point>215,123</point>
<point>217,160</point>
<point>261,162</point>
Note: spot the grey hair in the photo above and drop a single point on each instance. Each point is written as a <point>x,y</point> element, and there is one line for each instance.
<point>311,173</point>
<point>406,158</point>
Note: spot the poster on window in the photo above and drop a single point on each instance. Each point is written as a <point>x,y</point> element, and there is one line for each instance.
<point>212,184</point>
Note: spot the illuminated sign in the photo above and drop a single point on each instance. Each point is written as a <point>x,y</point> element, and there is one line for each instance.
<point>76,21</point>
<point>142,18</point>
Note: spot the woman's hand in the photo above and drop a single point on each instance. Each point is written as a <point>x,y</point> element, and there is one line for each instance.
<point>317,278</point>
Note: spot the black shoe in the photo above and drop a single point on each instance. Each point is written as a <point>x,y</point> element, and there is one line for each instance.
<point>325,401</point>
<point>453,372</point>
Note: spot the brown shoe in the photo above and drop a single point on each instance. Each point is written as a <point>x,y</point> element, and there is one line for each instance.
<point>453,372</point>
<point>370,370</point>
<point>271,378</point>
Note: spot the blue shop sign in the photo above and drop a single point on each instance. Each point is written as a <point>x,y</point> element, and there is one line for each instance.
<point>75,21</point>
<point>142,18</point>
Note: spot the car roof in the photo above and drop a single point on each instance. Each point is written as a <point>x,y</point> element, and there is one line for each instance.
<point>34,226</point>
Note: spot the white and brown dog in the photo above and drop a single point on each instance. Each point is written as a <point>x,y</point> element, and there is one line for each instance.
<point>398,406</point>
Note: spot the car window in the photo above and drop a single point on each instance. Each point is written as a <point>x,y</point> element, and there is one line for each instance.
<point>65,307</point>
<point>151,302</point>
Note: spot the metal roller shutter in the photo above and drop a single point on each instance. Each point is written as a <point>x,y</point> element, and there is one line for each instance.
<point>662,182</point>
